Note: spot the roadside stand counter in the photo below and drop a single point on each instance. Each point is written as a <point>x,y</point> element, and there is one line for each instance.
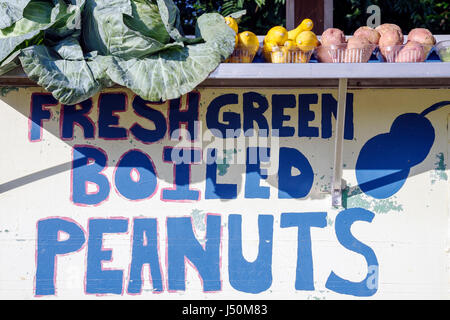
<point>269,181</point>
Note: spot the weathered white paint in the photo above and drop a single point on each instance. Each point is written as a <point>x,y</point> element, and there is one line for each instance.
<point>409,233</point>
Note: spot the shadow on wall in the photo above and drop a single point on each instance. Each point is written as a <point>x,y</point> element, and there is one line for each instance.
<point>120,130</point>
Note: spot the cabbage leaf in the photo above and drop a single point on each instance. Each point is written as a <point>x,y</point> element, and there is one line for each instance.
<point>176,71</point>
<point>40,19</point>
<point>11,11</point>
<point>70,81</point>
<point>105,29</point>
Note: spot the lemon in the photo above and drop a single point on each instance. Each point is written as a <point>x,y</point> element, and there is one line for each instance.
<point>249,41</point>
<point>307,40</point>
<point>277,34</point>
<point>305,25</point>
<point>232,23</point>
<point>236,40</point>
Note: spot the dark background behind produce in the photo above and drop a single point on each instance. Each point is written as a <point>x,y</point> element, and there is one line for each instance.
<point>348,14</point>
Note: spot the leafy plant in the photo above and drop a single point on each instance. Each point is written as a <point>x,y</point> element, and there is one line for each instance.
<point>261,14</point>
<point>76,48</point>
<point>348,15</point>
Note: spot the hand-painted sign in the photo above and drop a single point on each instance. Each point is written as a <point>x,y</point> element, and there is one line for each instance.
<point>224,192</point>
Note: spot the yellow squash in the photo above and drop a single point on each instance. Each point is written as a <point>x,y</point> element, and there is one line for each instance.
<point>277,34</point>
<point>249,40</point>
<point>248,44</point>
<point>232,23</point>
<point>307,41</point>
<point>305,25</point>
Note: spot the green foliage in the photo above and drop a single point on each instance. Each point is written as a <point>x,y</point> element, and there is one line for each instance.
<point>348,14</point>
<point>261,14</point>
<point>408,14</point>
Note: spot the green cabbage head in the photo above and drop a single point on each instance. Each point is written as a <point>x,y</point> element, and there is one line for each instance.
<point>76,48</point>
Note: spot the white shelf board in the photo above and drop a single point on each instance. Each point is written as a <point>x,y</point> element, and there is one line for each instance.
<point>331,70</point>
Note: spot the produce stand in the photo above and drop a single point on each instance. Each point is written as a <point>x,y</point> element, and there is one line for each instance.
<point>371,83</point>
<point>430,74</point>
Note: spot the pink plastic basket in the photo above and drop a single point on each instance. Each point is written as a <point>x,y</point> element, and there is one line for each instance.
<point>404,53</point>
<point>340,54</point>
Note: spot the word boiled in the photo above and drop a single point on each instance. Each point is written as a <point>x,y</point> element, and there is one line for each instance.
<point>136,178</point>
